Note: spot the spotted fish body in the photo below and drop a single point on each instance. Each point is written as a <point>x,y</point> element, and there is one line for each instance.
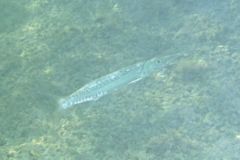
<point>113,81</point>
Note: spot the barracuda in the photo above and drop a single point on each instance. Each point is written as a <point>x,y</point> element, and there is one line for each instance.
<point>104,85</point>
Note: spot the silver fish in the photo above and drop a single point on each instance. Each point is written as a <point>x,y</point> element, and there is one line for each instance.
<point>96,89</point>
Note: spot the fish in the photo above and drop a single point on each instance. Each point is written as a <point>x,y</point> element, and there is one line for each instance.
<point>104,85</point>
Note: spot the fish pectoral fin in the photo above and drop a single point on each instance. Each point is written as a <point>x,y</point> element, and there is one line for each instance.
<point>136,80</point>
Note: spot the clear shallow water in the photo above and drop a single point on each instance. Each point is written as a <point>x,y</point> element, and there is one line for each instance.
<point>51,48</point>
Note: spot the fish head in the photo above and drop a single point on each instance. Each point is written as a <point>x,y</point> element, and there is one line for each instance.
<point>161,63</point>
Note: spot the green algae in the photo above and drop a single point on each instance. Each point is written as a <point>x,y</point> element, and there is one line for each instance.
<point>188,112</point>
<point>12,15</point>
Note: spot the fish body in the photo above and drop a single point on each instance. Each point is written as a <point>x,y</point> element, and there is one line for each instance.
<point>96,89</point>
